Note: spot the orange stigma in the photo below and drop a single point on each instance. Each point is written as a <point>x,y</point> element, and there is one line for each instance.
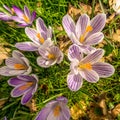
<point>51,56</point>
<point>88,29</point>
<point>12,11</point>
<point>41,39</point>
<point>20,66</point>
<point>85,66</point>
<point>56,111</point>
<point>26,19</point>
<point>27,85</point>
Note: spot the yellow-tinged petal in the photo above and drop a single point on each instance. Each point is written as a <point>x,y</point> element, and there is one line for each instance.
<point>41,39</point>
<point>56,111</point>
<point>27,85</point>
<point>20,66</point>
<point>85,66</point>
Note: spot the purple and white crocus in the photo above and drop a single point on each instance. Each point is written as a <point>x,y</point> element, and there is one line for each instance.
<point>7,15</point>
<point>23,17</point>
<point>89,68</point>
<point>25,86</point>
<point>41,37</point>
<point>55,110</point>
<point>85,33</point>
<point>49,56</point>
<point>16,65</point>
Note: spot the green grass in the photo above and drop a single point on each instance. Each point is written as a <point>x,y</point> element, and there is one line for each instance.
<point>54,78</point>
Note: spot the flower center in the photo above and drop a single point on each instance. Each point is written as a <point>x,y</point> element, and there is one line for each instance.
<point>88,29</point>
<point>20,66</point>
<point>85,66</point>
<point>26,19</point>
<point>56,111</point>
<point>41,39</point>
<point>28,84</point>
<point>51,56</point>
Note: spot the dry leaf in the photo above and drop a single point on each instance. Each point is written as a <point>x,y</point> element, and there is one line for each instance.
<point>116,111</point>
<point>32,105</point>
<point>2,102</point>
<point>116,36</point>
<point>4,53</point>
<point>97,9</point>
<point>112,2</point>
<point>110,18</point>
<point>76,12</point>
<point>76,111</point>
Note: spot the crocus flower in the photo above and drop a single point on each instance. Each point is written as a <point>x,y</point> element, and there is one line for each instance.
<point>23,17</point>
<point>6,15</point>
<point>89,68</point>
<point>16,65</point>
<point>55,110</point>
<point>49,56</point>
<point>85,33</point>
<point>5,118</point>
<point>25,86</point>
<point>116,6</point>
<point>41,37</point>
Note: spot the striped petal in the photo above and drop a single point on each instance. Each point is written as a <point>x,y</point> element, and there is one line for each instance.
<point>27,12</point>
<point>97,23</point>
<point>18,11</point>
<point>33,16</point>
<point>68,25</point>
<point>74,81</point>
<point>26,46</point>
<point>93,57</point>
<point>84,21</point>
<point>74,52</point>
<point>32,34</point>
<point>89,75</point>
<point>94,39</point>
<point>103,69</point>
<point>26,97</point>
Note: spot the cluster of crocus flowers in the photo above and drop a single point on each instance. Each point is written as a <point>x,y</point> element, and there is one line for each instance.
<point>55,110</point>
<point>40,37</point>
<point>89,67</point>
<point>24,18</point>
<point>25,85</point>
<point>16,65</point>
<point>85,33</point>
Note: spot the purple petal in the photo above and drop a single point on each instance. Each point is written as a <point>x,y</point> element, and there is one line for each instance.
<point>84,21</point>
<point>18,11</point>
<point>33,16</point>
<point>5,17</point>
<point>42,115</point>
<point>41,27</point>
<point>44,52</point>
<point>66,113</point>
<point>15,81</point>
<point>26,46</point>
<point>68,25</point>
<point>7,8</point>
<point>16,72</point>
<point>20,90</point>
<point>27,12</point>
<point>103,69</point>
<point>49,32</point>
<point>94,38</point>
<point>93,57</point>
<point>74,39</point>
<point>89,75</point>
<point>17,54</point>
<point>97,23</point>
<point>24,25</point>
<point>18,19</point>
<point>74,81</point>
<point>5,71</point>
<point>62,99</point>
<point>32,34</point>
<point>74,52</point>
<point>26,97</point>
<point>74,66</point>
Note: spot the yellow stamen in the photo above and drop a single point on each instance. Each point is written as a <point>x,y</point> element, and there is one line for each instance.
<point>88,29</point>
<point>51,56</point>
<point>28,84</point>
<point>85,66</point>
<point>12,10</point>
<point>26,19</point>
<point>20,66</point>
<point>41,39</point>
<point>56,111</point>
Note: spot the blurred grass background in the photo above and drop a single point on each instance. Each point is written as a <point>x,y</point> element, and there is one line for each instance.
<point>52,81</point>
